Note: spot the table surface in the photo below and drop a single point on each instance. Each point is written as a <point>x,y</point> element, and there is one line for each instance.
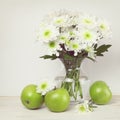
<point>11,108</point>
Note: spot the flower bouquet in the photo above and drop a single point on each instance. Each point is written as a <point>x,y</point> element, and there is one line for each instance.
<point>72,37</point>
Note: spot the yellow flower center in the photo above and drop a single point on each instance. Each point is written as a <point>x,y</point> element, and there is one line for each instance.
<point>102,26</point>
<point>87,36</point>
<point>82,108</point>
<point>43,86</point>
<point>52,44</point>
<point>87,21</point>
<point>47,33</point>
<point>75,46</point>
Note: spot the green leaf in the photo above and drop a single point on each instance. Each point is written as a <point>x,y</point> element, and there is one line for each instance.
<point>67,57</point>
<point>91,59</point>
<point>52,57</point>
<point>101,49</point>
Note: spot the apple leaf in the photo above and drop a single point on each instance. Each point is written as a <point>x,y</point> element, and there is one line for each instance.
<point>52,57</point>
<point>101,49</point>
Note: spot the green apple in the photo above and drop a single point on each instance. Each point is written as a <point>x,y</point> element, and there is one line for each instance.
<point>30,98</point>
<point>100,93</point>
<point>57,100</point>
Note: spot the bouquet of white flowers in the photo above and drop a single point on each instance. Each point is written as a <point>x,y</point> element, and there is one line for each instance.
<point>72,37</point>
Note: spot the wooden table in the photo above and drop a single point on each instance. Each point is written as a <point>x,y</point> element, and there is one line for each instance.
<point>11,108</point>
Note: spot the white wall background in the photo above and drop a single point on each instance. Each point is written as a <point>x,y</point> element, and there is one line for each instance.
<point>19,52</point>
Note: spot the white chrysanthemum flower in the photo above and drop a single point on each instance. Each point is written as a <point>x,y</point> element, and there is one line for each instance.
<point>48,33</point>
<point>45,87</point>
<point>53,46</point>
<point>91,52</point>
<point>104,28</point>
<point>81,108</point>
<point>73,33</point>
<point>88,21</point>
<point>65,18</point>
<point>63,38</point>
<point>60,20</point>
<point>74,30</point>
<point>73,20</point>
<point>88,37</point>
<point>74,46</point>
<point>84,107</point>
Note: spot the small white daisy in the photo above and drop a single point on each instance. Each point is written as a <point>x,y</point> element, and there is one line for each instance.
<point>91,52</point>
<point>75,46</point>
<point>73,20</point>
<point>45,87</point>
<point>88,36</point>
<point>104,28</point>
<point>73,33</point>
<point>60,20</point>
<point>84,107</point>
<point>88,21</point>
<point>53,45</point>
<point>48,33</point>
<point>63,38</point>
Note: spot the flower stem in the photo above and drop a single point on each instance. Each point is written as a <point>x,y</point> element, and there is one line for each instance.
<point>74,87</point>
<point>72,79</point>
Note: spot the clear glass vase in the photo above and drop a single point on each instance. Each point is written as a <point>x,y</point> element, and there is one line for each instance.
<point>71,80</point>
<point>85,84</point>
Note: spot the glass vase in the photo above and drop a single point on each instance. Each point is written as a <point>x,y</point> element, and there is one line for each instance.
<point>71,80</point>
